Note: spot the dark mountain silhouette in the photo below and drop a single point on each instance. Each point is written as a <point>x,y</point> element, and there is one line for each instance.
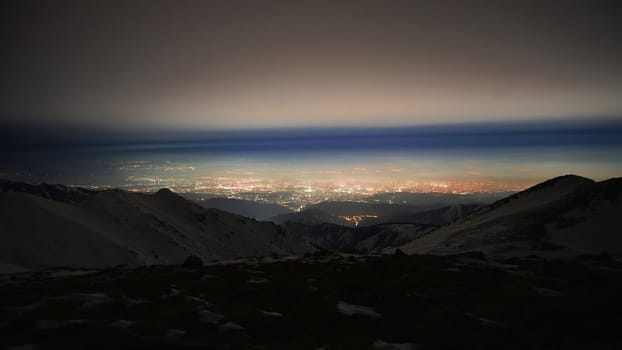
<point>379,209</point>
<point>250,209</point>
<point>310,217</point>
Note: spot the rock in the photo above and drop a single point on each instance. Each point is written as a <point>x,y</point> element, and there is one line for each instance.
<point>193,261</point>
<point>399,252</point>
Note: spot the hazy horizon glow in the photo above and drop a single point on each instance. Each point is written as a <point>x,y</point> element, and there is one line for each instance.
<point>298,167</point>
<point>274,64</point>
<point>310,100</point>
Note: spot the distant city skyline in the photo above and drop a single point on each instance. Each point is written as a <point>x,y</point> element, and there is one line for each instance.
<point>300,167</point>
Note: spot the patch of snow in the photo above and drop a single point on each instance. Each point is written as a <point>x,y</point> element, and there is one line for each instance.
<point>21,310</point>
<point>175,333</point>
<point>133,302</point>
<point>199,301</point>
<point>351,309</point>
<point>486,322</point>
<point>230,326</point>
<point>172,293</point>
<point>123,324</point>
<point>270,313</point>
<point>90,300</point>
<point>380,344</point>
<point>258,280</point>
<point>210,317</point>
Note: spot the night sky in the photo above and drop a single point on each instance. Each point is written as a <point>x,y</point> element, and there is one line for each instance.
<point>210,65</point>
<point>193,94</point>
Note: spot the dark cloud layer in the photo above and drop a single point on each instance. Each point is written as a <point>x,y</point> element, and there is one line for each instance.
<point>241,64</point>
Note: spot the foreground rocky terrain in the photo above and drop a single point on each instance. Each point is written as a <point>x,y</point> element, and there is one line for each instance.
<point>321,302</point>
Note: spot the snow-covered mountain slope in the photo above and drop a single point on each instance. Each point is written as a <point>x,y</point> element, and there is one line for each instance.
<point>113,227</point>
<point>564,215</point>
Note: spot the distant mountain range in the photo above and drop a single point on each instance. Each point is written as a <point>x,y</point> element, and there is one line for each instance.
<point>376,213</point>
<point>437,199</point>
<point>333,233</point>
<point>565,215</point>
<point>437,217</point>
<point>52,225</point>
<point>373,214</point>
<point>378,209</point>
<point>310,217</point>
<point>386,207</point>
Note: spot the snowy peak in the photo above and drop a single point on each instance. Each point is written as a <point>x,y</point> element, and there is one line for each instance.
<point>541,194</point>
<point>111,227</point>
<point>565,215</point>
<point>564,180</point>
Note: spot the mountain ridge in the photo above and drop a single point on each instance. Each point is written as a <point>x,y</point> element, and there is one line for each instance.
<point>536,220</point>
<point>111,227</point>
<point>251,209</point>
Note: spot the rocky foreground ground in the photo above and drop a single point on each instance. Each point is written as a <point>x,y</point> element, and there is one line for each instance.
<point>328,302</point>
